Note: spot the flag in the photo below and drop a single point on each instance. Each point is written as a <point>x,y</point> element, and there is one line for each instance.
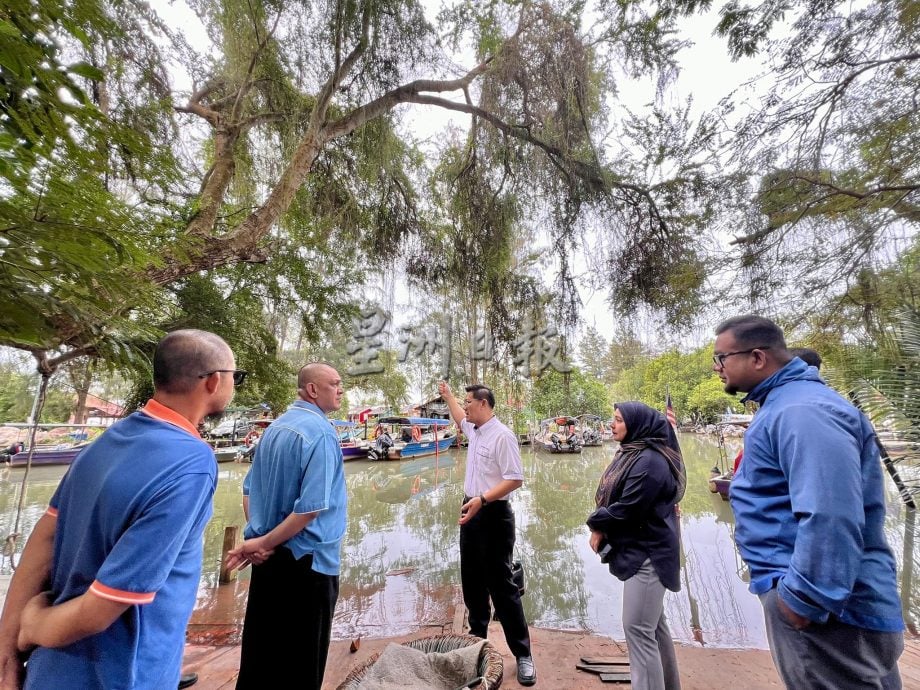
<point>669,412</point>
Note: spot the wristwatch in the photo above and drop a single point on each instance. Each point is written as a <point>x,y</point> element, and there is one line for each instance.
<point>482,498</point>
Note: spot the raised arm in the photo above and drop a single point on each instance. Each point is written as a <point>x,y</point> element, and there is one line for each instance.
<point>456,411</point>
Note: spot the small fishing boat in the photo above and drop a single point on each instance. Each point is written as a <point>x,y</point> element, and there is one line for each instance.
<point>353,447</point>
<point>590,427</point>
<point>60,451</point>
<point>558,435</point>
<point>230,453</point>
<point>398,438</point>
<point>721,475</point>
<point>62,454</point>
<point>607,432</point>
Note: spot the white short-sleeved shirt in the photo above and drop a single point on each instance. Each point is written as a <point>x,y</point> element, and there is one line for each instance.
<point>493,455</point>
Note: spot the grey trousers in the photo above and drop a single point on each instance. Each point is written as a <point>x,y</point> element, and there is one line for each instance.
<point>652,661</point>
<point>833,655</point>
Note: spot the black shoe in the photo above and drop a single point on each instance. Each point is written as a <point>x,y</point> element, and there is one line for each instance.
<point>526,671</point>
<point>187,680</point>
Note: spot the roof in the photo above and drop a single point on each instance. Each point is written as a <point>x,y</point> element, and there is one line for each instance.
<point>417,421</point>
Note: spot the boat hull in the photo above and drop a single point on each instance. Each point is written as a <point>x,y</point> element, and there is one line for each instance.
<point>561,448</point>
<point>354,452</point>
<point>229,453</point>
<point>47,456</point>
<point>419,449</point>
<point>721,484</point>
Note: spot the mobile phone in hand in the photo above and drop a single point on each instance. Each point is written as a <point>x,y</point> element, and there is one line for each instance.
<point>605,553</point>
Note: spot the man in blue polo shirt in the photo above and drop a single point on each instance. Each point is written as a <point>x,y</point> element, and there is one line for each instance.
<point>295,502</point>
<point>121,542</point>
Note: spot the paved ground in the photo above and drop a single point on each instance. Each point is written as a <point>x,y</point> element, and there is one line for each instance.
<point>556,654</point>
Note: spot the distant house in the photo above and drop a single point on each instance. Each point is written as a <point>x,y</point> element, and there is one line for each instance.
<point>436,408</point>
<point>368,412</point>
<point>99,411</point>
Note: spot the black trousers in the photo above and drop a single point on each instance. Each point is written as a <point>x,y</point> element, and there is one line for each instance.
<point>285,595</point>
<point>486,548</point>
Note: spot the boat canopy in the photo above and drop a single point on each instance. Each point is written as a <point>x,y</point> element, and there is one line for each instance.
<point>415,421</point>
<point>342,423</point>
<point>591,418</point>
<point>563,421</point>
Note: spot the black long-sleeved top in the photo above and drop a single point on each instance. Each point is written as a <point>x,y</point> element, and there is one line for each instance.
<point>639,521</point>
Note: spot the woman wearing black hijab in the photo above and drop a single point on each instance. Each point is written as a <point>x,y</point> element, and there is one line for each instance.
<point>636,530</point>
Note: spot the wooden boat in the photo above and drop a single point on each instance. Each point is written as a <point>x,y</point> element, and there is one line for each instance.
<point>409,437</point>
<point>230,453</point>
<point>353,447</point>
<point>62,454</point>
<point>721,475</point>
<point>590,427</point>
<point>558,435</point>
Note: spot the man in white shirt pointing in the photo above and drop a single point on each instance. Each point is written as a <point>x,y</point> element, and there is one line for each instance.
<point>493,471</point>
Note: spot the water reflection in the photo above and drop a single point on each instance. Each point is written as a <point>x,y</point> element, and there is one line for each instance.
<point>400,566</point>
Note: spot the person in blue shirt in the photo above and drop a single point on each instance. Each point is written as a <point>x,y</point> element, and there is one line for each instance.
<point>809,514</point>
<point>294,499</point>
<point>119,549</point>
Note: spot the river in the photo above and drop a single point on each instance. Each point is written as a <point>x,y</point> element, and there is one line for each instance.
<point>400,566</point>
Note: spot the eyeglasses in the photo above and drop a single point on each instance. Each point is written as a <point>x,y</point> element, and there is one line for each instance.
<point>719,360</point>
<point>470,402</point>
<point>239,375</point>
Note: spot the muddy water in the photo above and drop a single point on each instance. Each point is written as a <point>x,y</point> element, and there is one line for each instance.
<point>401,560</point>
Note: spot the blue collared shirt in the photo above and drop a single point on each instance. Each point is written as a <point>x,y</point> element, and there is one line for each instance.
<point>298,468</point>
<point>810,507</point>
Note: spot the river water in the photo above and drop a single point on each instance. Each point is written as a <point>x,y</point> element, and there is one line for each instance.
<point>400,565</point>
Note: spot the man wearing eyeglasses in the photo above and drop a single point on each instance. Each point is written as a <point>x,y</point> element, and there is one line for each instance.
<point>493,471</point>
<point>119,548</point>
<point>809,512</point>
<point>295,501</point>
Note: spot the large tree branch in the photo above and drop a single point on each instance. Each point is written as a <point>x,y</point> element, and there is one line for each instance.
<point>401,94</point>
<point>342,70</point>
<point>593,175</point>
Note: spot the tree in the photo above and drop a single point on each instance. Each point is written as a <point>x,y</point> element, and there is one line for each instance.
<point>708,400</point>
<point>831,151</point>
<point>583,395</point>
<point>624,352</point>
<point>592,353</point>
<point>298,109</point>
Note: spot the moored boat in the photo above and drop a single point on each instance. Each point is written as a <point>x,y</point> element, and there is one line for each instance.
<point>353,447</point>
<point>62,454</point>
<point>590,428</point>
<point>721,475</point>
<point>409,437</point>
<point>558,435</point>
